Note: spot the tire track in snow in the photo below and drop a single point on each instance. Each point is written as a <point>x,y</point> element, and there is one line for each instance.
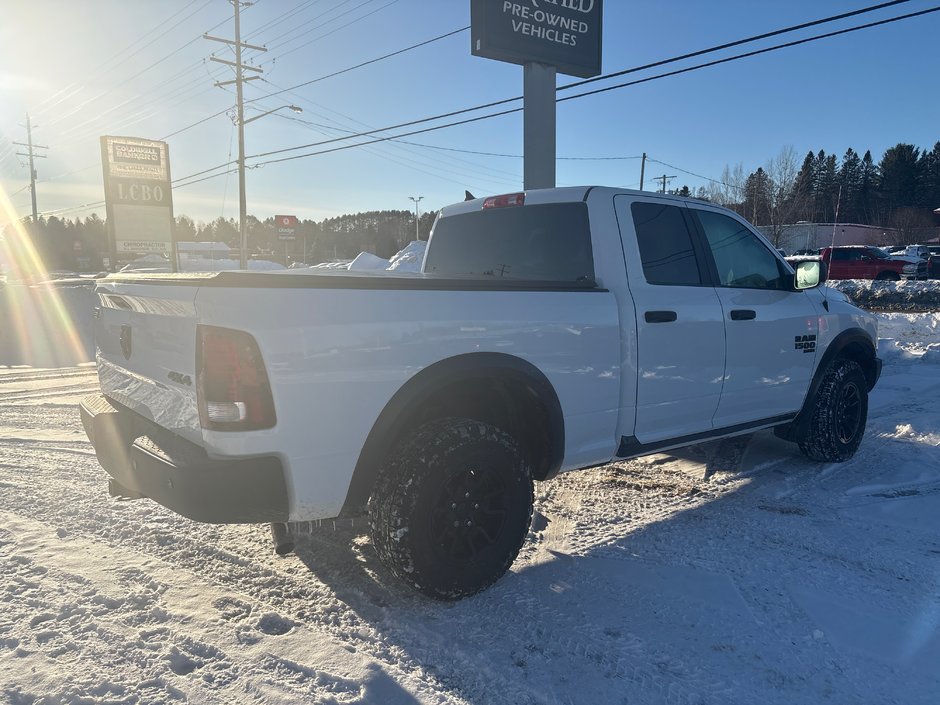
<point>67,390</point>
<point>182,640</point>
<point>8,377</point>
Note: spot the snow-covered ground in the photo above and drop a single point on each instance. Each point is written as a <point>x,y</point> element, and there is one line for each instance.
<point>730,572</point>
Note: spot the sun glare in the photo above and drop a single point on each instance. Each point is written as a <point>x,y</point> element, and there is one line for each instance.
<point>35,317</point>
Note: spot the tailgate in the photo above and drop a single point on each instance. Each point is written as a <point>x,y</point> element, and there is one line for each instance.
<point>146,339</point>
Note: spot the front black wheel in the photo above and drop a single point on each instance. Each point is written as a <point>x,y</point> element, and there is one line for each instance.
<point>451,508</point>
<point>839,414</point>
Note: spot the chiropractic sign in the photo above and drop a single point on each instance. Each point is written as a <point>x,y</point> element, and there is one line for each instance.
<point>565,34</point>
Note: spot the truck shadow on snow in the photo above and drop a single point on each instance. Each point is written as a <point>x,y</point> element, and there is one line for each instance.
<point>712,574</point>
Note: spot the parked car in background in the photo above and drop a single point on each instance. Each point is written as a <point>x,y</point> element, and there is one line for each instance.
<point>930,254</point>
<point>869,262</point>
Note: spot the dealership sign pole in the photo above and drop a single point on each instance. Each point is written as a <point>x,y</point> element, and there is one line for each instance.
<point>545,36</point>
<point>138,197</point>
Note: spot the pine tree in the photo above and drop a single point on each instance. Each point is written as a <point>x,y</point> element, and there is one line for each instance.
<point>850,174</point>
<point>804,189</point>
<point>898,185</point>
<point>827,186</point>
<point>928,179</point>
<point>868,190</point>
<point>757,197</point>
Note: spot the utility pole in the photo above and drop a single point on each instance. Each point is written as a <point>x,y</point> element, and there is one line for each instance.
<point>664,179</point>
<point>642,170</point>
<point>32,169</point>
<point>240,115</point>
<point>419,198</point>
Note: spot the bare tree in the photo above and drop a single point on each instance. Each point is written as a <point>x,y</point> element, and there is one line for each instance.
<point>785,204</point>
<point>729,190</point>
<point>908,224</point>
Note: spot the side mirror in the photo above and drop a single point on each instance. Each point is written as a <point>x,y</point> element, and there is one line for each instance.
<point>809,275</point>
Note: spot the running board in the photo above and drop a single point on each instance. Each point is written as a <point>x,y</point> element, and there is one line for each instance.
<point>630,447</point>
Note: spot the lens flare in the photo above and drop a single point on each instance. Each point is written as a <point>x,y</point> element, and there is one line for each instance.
<point>36,327</point>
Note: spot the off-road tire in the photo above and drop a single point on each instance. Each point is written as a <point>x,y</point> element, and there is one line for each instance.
<point>451,508</point>
<point>839,413</point>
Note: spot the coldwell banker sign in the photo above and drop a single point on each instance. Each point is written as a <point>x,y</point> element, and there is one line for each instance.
<point>138,197</point>
<point>565,34</point>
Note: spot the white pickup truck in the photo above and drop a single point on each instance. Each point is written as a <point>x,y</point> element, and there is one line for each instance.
<point>548,331</point>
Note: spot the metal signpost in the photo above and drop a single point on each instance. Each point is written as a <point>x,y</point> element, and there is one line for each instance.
<point>138,197</point>
<point>545,36</point>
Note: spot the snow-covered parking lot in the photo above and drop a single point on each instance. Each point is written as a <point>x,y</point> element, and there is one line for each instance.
<point>732,572</point>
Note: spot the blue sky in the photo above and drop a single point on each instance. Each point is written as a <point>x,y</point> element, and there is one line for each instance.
<point>101,67</point>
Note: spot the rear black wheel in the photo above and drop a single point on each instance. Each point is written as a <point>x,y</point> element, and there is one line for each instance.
<point>888,276</point>
<point>452,507</point>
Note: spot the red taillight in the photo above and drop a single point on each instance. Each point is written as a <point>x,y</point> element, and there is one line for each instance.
<point>231,382</point>
<point>505,201</point>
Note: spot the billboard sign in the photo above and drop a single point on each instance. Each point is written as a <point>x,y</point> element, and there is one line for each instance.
<point>565,34</point>
<point>138,196</point>
<point>286,227</point>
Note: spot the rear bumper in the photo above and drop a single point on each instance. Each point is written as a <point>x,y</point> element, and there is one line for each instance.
<point>180,475</point>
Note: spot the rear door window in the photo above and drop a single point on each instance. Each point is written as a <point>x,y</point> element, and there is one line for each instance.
<point>665,243</point>
<point>547,242</point>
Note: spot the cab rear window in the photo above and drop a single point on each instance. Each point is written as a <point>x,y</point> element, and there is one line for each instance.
<point>548,242</point>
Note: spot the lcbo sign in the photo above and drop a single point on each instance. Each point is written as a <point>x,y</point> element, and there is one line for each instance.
<point>565,34</point>
<point>138,195</point>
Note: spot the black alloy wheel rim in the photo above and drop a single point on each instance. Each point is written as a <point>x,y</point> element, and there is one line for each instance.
<point>471,513</point>
<point>848,413</point>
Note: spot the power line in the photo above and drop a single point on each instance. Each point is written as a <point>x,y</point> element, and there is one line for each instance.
<point>280,19</point>
<point>514,110</point>
<point>486,172</point>
<point>505,101</point>
<point>307,83</point>
<point>692,173</point>
<point>127,80</point>
<point>364,63</point>
<point>298,29</point>
<point>567,98</point>
<point>99,69</point>
<point>337,29</point>
<point>756,52</point>
<point>473,171</point>
<point>739,42</point>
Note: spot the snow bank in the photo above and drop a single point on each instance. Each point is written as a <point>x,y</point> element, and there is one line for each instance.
<point>909,337</point>
<point>912,296</point>
<point>338,264</point>
<point>367,262</point>
<point>225,265</point>
<point>408,259</point>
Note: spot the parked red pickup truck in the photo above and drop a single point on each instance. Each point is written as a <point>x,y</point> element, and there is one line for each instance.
<point>867,262</point>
